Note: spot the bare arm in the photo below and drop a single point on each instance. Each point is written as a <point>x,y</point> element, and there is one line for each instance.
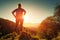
<point>14,12</point>
<point>24,11</point>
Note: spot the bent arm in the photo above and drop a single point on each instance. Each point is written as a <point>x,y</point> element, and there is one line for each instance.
<point>24,11</point>
<point>14,12</point>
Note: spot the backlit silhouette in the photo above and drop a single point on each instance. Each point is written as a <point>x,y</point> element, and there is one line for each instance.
<point>18,14</point>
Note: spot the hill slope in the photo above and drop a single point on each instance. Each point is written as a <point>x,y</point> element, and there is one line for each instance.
<point>50,27</point>
<point>6,26</point>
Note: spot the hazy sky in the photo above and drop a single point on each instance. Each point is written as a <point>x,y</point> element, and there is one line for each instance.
<point>37,10</point>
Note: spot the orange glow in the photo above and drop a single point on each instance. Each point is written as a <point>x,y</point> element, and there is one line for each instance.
<point>25,18</point>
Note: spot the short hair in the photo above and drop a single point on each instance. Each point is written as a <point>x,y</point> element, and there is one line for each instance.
<point>19,4</point>
<point>57,7</point>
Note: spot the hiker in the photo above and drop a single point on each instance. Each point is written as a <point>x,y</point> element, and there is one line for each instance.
<point>18,14</point>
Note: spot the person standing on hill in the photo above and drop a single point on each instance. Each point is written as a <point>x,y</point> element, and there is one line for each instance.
<point>18,14</point>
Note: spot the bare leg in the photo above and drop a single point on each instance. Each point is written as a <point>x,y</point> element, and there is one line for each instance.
<point>21,25</point>
<point>17,23</point>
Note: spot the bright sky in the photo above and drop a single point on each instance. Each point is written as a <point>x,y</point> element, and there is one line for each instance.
<point>37,10</point>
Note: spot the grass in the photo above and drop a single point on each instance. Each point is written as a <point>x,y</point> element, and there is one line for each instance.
<point>10,36</point>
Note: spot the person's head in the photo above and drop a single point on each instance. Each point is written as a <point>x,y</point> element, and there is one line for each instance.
<point>57,11</point>
<point>19,5</point>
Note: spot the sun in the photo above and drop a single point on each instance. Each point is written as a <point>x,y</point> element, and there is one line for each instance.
<point>25,18</point>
